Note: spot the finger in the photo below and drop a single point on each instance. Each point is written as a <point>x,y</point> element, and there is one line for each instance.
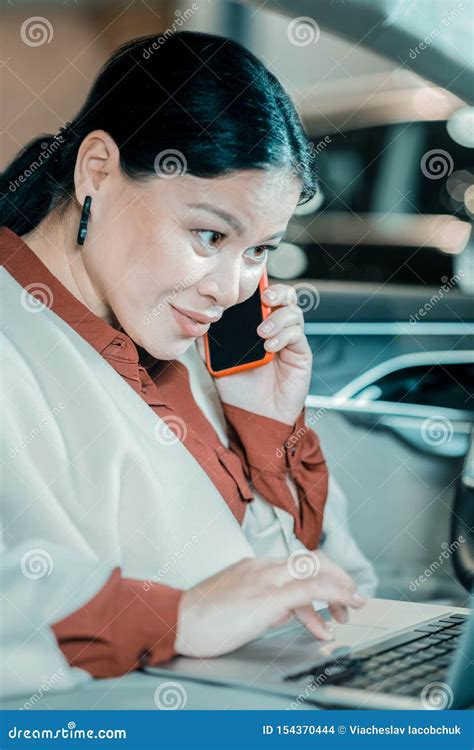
<point>304,577</point>
<point>279,319</point>
<point>298,593</point>
<point>338,574</point>
<point>292,336</point>
<point>280,294</point>
<point>339,612</point>
<point>314,623</point>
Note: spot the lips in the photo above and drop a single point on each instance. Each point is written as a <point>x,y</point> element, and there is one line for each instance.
<point>189,326</point>
<point>199,317</point>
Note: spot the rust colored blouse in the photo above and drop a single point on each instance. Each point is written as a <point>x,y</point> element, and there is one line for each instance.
<point>125,625</point>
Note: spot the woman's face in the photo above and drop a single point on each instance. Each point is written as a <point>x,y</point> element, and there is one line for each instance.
<point>187,243</point>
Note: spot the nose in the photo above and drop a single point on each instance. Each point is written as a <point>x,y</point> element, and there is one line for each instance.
<point>223,284</point>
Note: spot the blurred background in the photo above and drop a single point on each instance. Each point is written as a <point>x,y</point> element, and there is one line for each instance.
<point>382,257</point>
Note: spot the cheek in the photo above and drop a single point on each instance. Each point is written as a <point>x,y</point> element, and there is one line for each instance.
<point>249,283</point>
<point>160,275</point>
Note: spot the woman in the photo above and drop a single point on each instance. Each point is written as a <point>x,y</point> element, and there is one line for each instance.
<point>144,219</point>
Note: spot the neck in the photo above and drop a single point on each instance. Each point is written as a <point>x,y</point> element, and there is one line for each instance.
<point>54,241</point>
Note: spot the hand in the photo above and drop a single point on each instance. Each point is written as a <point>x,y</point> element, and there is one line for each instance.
<point>278,389</point>
<point>241,602</point>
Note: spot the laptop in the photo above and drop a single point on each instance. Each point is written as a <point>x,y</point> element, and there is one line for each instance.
<point>390,655</point>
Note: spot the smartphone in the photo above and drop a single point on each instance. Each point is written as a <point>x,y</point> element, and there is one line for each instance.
<point>233,344</point>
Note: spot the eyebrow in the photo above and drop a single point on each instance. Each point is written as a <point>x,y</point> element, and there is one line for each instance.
<point>229,219</point>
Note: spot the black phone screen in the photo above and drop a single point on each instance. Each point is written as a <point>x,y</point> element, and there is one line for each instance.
<point>233,340</point>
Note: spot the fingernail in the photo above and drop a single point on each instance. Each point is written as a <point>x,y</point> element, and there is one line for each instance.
<point>267,327</point>
<point>272,343</point>
<point>358,598</point>
<point>270,294</point>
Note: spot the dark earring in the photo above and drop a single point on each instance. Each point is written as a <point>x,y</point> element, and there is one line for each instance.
<point>81,235</point>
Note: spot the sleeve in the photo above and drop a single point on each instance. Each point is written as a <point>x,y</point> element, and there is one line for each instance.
<point>127,624</point>
<point>274,452</point>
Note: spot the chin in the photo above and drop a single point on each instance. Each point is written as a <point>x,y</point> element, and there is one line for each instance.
<point>169,350</point>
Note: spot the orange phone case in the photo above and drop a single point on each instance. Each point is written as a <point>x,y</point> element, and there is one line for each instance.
<point>248,365</point>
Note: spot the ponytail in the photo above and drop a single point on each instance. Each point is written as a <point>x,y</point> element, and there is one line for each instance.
<point>30,182</point>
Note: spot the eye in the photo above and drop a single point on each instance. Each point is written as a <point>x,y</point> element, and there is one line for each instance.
<point>212,237</point>
<point>262,251</point>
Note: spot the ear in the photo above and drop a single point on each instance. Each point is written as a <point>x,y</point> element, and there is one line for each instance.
<point>98,158</point>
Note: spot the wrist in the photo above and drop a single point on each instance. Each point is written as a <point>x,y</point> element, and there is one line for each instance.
<point>267,442</point>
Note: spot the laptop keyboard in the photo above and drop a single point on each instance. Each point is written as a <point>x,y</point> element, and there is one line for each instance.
<point>401,665</point>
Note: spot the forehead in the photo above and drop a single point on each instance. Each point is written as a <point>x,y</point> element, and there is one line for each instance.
<point>264,195</point>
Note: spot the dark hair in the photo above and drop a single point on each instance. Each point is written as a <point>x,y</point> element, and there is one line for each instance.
<point>193,97</point>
